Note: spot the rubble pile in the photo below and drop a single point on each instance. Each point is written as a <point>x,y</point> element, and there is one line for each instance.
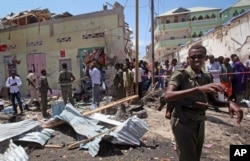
<point>119,121</point>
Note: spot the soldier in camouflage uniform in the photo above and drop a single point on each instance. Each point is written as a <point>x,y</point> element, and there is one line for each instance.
<point>190,90</point>
<point>65,79</point>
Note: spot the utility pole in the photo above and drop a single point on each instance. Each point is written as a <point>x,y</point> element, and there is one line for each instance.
<point>136,44</point>
<point>152,41</point>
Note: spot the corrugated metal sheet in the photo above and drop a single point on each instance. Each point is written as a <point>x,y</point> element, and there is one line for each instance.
<point>14,153</point>
<point>105,118</point>
<point>17,128</point>
<point>92,146</point>
<point>130,131</point>
<point>57,107</point>
<point>82,125</point>
<point>40,137</point>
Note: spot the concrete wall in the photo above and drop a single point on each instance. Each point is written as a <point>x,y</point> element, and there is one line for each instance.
<point>232,38</point>
<point>25,40</point>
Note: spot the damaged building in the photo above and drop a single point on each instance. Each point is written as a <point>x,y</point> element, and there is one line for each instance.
<point>232,37</point>
<point>38,39</point>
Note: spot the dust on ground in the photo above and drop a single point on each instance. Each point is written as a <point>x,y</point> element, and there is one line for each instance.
<point>157,144</point>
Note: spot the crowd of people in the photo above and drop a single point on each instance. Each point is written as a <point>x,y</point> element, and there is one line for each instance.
<point>14,82</point>
<point>41,88</point>
<point>201,81</point>
<point>190,91</point>
<point>229,71</point>
<point>191,87</point>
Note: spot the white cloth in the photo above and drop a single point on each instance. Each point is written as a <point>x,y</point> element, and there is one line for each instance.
<point>214,68</point>
<point>174,68</point>
<point>32,78</point>
<point>11,80</point>
<point>140,74</point>
<point>33,91</point>
<point>95,75</point>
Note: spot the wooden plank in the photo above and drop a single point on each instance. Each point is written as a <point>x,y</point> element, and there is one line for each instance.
<point>110,105</point>
<point>76,144</point>
<point>6,116</point>
<point>59,122</point>
<point>52,124</point>
<point>53,146</point>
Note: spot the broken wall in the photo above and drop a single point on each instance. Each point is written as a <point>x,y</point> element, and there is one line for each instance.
<point>68,35</point>
<point>230,38</point>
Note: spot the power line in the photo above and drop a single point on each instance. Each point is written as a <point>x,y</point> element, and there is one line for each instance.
<point>125,3</point>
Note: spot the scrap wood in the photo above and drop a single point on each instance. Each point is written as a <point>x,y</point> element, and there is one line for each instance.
<point>53,146</point>
<point>110,105</point>
<point>55,123</point>
<point>76,144</point>
<point>52,124</point>
<point>6,116</point>
<point>151,92</point>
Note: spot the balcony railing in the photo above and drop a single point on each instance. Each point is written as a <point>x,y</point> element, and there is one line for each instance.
<point>189,24</point>
<point>206,23</point>
<point>175,42</point>
<point>171,26</point>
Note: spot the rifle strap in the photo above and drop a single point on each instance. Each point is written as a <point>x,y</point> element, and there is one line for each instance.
<point>195,82</point>
<point>179,111</point>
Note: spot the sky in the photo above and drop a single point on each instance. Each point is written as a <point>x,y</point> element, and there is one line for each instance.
<point>76,7</point>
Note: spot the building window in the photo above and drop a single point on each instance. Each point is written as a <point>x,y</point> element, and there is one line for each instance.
<point>184,37</point>
<point>63,39</point>
<point>235,13</point>
<point>194,35</point>
<point>35,43</point>
<point>207,17</point>
<point>242,11</point>
<point>194,18</point>
<point>95,35</point>
<point>172,38</point>
<point>200,18</point>
<point>213,16</point>
<point>200,34</point>
<point>167,21</point>
<point>183,20</point>
<point>176,20</point>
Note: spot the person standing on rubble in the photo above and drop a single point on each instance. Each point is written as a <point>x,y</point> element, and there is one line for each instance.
<point>65,79</point>
<point>31,78</point>
<point>118,82</point>
<point>13,83</point>
<point>43,86</point>
<point>95,76</point>
<point>139,78</point>
<point>128,81</point>
<point>190,91</point>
